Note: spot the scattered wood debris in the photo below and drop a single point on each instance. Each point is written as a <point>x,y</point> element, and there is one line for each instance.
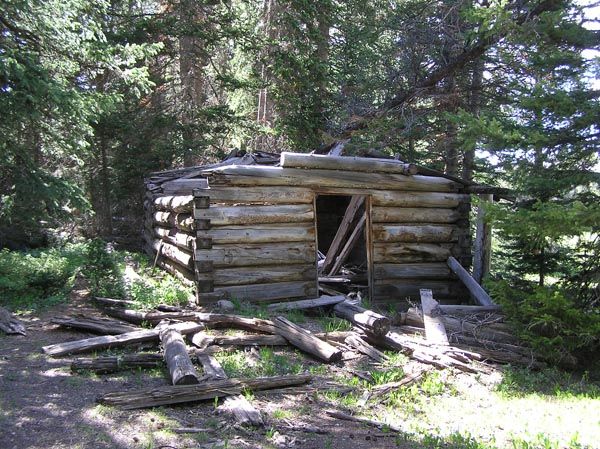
<point>9,324</point>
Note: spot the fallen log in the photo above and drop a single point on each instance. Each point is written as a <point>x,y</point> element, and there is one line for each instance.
<point>111,364</point>
<point>178,394</point>
<point>450,309</point>
<point>102,326</point>
<point>363,318</point>
<point>369,422</point>
<point>114,302</point>
<point>152,317</point>
<point>355,341</point>
<point>114,341</point>
<point>322,301</point>
<point>202,340</point>
<point>238,406</point>
<point>178,361</point>
<point>9,324</point>
<point>478,293</point>
<point>306,341</point>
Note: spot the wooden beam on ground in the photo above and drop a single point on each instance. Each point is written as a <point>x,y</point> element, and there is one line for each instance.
<point>434,326</point>
<point>178,394</point>
<point>322,301</point>
<point>450,309</point>
<point>112,364</point>
<point>344,229</point>
<point>363,318</point>
<point>478,293</point>
<point>178,361</point>
<point>115,341</point>
<point>306,341</point>
<point>355,341</point>
<point>104,326</point>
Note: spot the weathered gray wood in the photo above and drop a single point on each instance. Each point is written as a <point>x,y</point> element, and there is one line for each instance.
<point>178,361</point>
<point>257,214</point>
<point>260,275</point>
<point>277,176</point>
<point>97,325</point>
<point>261,233</point>
<point>340,260</point>
<point>178,394</point>
<point>235,321</point>
<point>411,252</point>
<point>184,203</point>
<point>340,238</point>
<point>114,341</point>
<point>346,417</point>
<point>9,324</point>
<point>202,340</point>
<point>363,318</point>
<point>482,246</point>
<point>259,195</point>
<point>183,186</point>
<point>112,364</point>
<point>304,340</point>
<point>259,293</point>
<point>434,326</point>
<point>393,198</point>
<point>411,271</point>
<point>414,215</point>
<point>332,162</point>
<point>354,340</point>
<point>174,253</point>
<point>174,220</point>
<point>183,274</point>
<point>468,310</point>
<point>153,317</point>
<point>175,237</point>
<point>410,288</point>
<point>238,406</point>
<point>478,293</point>
<point>322,301</point>
<point>114,302</point>
<point>254,254</point>
<point>414,233</point>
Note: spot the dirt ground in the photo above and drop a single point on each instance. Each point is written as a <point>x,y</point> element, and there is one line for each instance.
<point>44,405</point>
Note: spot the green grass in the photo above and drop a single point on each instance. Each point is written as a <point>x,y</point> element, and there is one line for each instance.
<point>270,363</point>
<point>334,324</point>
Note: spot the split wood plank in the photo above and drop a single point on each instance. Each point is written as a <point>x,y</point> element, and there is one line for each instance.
<point>322,301</point>
<point>478,293</point>
<point>355,205</point>
<point>114,341</point>
<point>349,163</point>
<point>306,341</point>
<point>434,326</point>
<point>178,394</point>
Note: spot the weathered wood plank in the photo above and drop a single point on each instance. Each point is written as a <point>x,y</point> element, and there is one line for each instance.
<point>410,288</point>
<point>278,176</point>
<point>264,274</point>
<point>103,326</point>
<point>254,254</point>
<point>415,233</point>
<point>432,270</point>
<point>269,292</point>
<point>178,204</point>
<point>175,237</point>
<point>306,341</point>
<point>183,186</point>
<point>111,364</point>
<point>178,394</point>
<point>322,301</point>
<point>413,215</point>
<point>478,293</point>
<point>114,341</point>
<point>174,220</point>
<point>174,253</point>
<point>262,233</point>
<point>258,214</point>
<point>411,252</point>
<point>434,326</point>
<point>360,164</point>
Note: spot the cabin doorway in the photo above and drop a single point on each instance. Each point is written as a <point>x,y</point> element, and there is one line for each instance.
<point>343,261</point>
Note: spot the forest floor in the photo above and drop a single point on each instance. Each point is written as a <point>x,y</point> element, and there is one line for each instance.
<point>44,405</point>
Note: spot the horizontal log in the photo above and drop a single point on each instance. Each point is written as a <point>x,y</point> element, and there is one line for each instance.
<point>178,394</point>
<point>415,233</point>
<point>175,237</point>
<point>259,275</point>
<point>177,204</point>
<point>250,215</point>
<point>306,303</point>
<point>254,254</point>
<point>414,215</point>
<point>391,198</point>
<point>183,274</point>
<point>411,271</point>
<point>111,364</point>
<point>360,164</point>
<point>269,292</point>
<point>306,341</point>
<point>412,252</point>
<point>260,195</point>
<point>407,288</point>
<point>114,341</point>
<point>183,186</point>
<point>468,310</point>
<point>277,176</point>
<point>262,233</point>
<point>174,220</point>
<point>178,255</point>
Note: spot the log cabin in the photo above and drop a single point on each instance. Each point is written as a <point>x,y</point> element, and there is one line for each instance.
<point>268,228</point>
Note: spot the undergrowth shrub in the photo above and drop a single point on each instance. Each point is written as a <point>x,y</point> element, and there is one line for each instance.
<point>550,321</point>
<point>102,270</point>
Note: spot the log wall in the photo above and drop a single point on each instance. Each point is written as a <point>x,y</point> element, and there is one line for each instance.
<point>249,232</point>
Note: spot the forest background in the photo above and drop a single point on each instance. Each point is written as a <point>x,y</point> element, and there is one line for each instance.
<point>95,95</point>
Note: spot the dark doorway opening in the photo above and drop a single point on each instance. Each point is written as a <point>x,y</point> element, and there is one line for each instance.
<point>341,235</point>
